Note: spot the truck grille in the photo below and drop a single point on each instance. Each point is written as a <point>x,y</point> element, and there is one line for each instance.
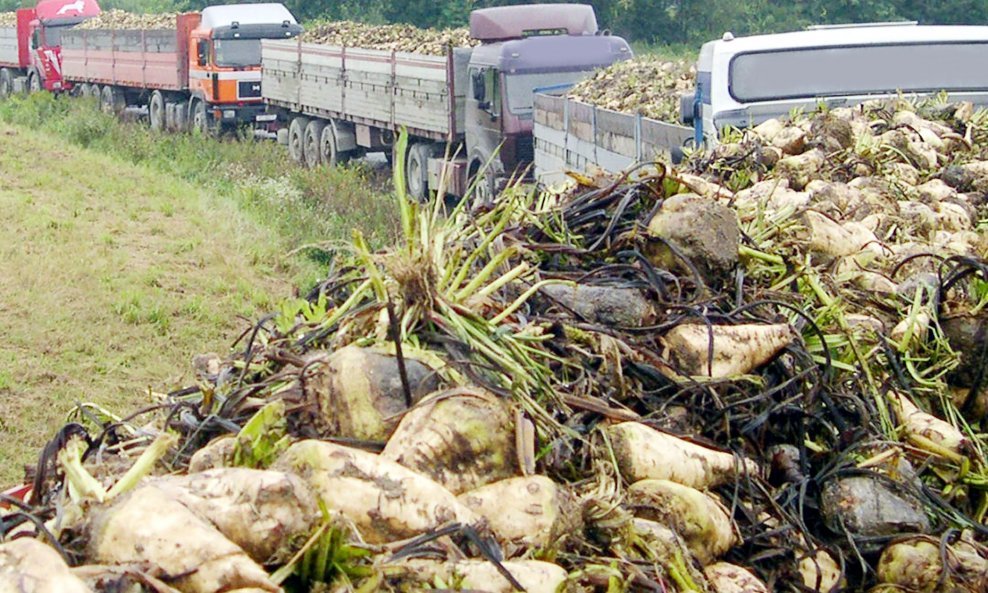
<point>249,89</point>
<point>525,149</point>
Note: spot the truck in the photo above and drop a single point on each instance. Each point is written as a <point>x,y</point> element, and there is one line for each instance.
<point>745,81</point>
<point>204,73</point>
<point>467,114</point>
<point>31,53</point>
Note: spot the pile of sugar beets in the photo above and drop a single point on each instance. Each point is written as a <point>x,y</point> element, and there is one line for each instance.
<point>647,85</point>
<point>116,19</point>
<point>762,371</point>
<point>8,19</point>
<point>396,37</point>
<point>399,37</point>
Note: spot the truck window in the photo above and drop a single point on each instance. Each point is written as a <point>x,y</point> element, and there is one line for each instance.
<point>484,89</point>
<point>238,53</point>
<point>36,39</point>
<point>53,35</point>
<point>520,88</point>
<point>858,70</point>
<point>202,52</point>
<point>492,96</point>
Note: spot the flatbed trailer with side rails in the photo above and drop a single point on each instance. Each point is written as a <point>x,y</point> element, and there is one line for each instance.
<point>356,98</point>
<point>468,113</point>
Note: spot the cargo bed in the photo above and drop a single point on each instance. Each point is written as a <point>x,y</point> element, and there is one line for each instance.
<point>575,136</point>
<point>9,56</point>
<point>387,90</point>
<point>144,59</point>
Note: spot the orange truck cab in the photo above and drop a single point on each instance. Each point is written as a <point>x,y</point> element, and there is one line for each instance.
<point>225,61</point>
<point>203,71</point>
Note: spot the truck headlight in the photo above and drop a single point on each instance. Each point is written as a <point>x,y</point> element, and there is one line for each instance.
<point>229,114</point>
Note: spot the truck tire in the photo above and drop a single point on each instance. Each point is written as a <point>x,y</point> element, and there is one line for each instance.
<point>329,149</point>
<point>313,143</point>
<point>417,170</point>
<point>34,83</point>
<point>6,83</point>
<point>482,186</point>
<point>94,92</point>
<point>296,139</point>
<point>112,100</point>
<point>199,118</point>
<point>156,111</point>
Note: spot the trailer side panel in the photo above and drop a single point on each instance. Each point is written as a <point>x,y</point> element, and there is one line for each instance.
<point>383,89</point>
<point>144,59</point>
<point>575,136</point>
<point>9,50</point>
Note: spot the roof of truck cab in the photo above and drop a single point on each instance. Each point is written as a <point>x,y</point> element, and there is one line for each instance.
<point>552,53</point>
<point>245,14</point>
<point>848,36</point>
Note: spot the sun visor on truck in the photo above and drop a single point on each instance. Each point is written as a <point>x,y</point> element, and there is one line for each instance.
<point>516,22</point>
<point>66,12</point>
<point>257,31</point>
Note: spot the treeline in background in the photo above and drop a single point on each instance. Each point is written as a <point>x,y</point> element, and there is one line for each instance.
<point>659,22</point>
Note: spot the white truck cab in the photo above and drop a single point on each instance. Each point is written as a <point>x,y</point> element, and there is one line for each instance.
<point>746,80</point>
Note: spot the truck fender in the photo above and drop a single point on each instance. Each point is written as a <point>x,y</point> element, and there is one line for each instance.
<point>345,135</point>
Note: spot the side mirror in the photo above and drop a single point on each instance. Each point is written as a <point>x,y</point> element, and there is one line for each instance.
<point>202,52</point>
<point>687,105</point>
<point>479,87</point>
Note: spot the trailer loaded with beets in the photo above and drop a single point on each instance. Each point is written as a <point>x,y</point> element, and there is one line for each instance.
<point>30,45</point>
<point>203,72</point>
<point>744,81</point>
<point>468,113</point>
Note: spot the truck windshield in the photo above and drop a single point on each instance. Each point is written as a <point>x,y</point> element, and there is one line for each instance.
<point>520,87</point>
<point>238,52</point>
<point>53,35</point>
<point>859,70</point>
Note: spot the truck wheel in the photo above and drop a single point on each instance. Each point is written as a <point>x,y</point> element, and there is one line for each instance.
<point>329,151</point>
<point>313,143</point>
<point>200,119</point>
<point>6,83</point>
<point>34,83</point>
<point>94,92</point>
<point>296,139</point>
<point>417,170</point>
<point>156,111</point>
<point>112,100</point>
<point>483,186</point>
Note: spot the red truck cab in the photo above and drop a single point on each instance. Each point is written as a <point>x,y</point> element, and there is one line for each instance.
<point>39,32</point>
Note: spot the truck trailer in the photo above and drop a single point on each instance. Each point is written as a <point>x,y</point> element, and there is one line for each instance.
<point>204,73</point>
<point>745,81</point>
<point>31,52</point>
<point>468,113</point>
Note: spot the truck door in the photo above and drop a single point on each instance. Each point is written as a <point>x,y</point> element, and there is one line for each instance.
<point>483,114</point>
<point>200,78</point>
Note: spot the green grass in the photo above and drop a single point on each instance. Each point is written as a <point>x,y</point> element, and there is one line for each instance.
<point>125,253</point>
<point>666,52</point>
<point>305,207</point>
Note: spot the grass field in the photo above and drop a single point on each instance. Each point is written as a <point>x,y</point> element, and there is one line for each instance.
<point>124,254</point>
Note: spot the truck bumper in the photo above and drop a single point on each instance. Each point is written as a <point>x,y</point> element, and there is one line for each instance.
<point>242,114</point>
